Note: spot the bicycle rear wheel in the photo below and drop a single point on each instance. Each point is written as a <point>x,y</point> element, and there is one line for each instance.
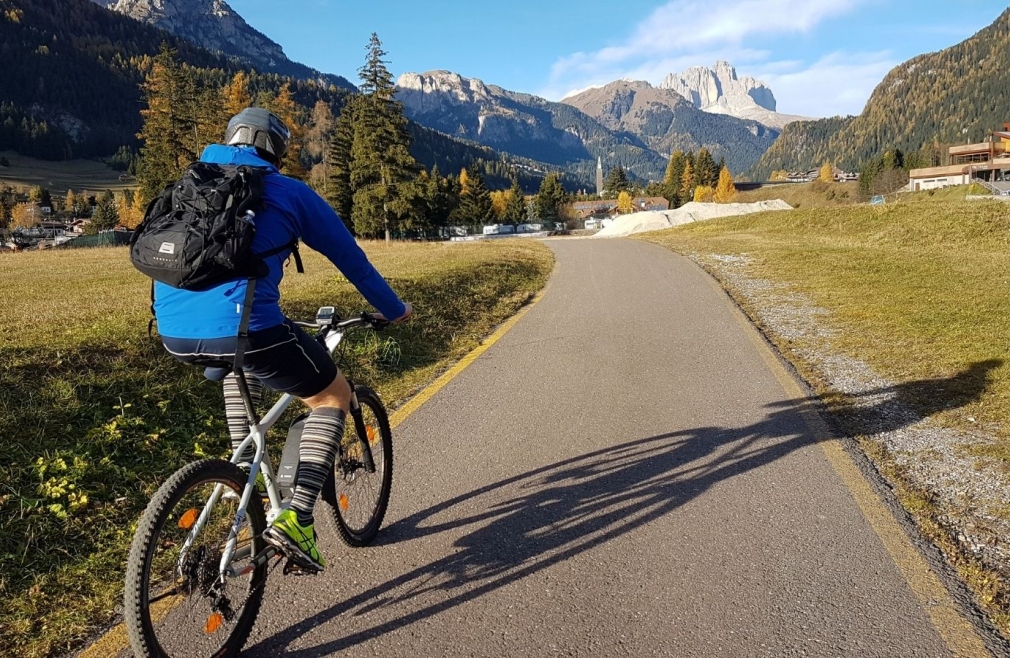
<point>356,498</point>
<point>177,604</point>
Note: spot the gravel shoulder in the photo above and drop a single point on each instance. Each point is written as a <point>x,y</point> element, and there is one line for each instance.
<point>958,499</point>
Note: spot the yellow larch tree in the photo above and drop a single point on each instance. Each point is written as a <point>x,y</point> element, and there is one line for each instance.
<point>827,174</point>
<point>236,94</point>
<point>687,182</point>
<point>284,106</point>
<point>725,190</point>
<point>499,200</point>
<point>704,194</point>
<point>625,204</point>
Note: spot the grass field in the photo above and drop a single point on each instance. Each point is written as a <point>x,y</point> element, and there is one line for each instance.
<point>919,289</point>
<point>804,195</point>
<point>94,414</point>
<point>58,177</point>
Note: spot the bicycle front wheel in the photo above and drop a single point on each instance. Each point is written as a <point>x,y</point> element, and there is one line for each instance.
<point>358,498</point>
<point>178,604</point>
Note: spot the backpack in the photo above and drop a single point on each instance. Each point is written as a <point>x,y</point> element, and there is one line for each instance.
<point>199,231</point>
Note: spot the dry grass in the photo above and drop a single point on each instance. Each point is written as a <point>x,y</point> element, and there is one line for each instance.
<point>59,176</point>
<point>804,195</point>
<point>90,406</point>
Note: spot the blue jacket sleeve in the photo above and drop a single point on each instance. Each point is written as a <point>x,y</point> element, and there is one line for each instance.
<point>323,230</point>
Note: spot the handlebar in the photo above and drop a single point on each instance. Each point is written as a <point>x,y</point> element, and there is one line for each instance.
<point>363,320</point>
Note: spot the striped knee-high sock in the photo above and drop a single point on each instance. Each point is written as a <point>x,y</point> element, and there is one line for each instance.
<point>321,437</point>
<point>234,411</point>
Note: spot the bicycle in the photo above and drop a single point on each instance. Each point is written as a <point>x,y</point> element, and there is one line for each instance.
<point>198,559</point>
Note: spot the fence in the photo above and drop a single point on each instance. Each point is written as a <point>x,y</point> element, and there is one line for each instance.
<point>107,239</point>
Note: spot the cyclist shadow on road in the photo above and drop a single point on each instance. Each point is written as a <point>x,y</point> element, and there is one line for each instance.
<point>528,523</point>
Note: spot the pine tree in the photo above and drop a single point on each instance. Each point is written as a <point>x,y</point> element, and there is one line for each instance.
<point>827,174</point>
<point>171,127</point>
<point>106,216</point>
<point>475,205</point>
<point>705,171</point>
<point>725,190</point>
<point>382,170</point>
<point>340,193</point>
<point>616,182</point>
<point>515,206</point>
<point>674,178</point>
<point>551,197</point>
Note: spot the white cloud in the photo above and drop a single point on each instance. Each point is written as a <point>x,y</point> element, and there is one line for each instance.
<point>838,83</point>
<point>684,33</point>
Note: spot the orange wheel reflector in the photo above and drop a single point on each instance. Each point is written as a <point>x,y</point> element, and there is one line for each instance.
<point>188,519</point>
<point>370,433</point>
<point>343,502</point>
<point>213,623</point>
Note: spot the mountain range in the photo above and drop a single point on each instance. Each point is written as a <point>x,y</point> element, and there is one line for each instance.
<point>720,91</point>
<point>214,25</point>
<point>929,100</point>
<point>957,94</point>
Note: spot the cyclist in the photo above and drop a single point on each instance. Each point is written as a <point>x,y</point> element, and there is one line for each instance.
<point>202,327</point>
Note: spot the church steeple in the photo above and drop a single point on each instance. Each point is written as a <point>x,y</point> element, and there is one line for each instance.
<point>599,177</point>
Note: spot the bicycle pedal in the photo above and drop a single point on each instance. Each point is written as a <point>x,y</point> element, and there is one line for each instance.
<point>292,568</point>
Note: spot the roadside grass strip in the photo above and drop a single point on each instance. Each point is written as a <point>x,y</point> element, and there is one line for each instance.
<point>94,414</point>
<point>918,291</point>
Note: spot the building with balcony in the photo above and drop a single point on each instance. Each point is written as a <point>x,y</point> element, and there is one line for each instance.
<point>987,161</point>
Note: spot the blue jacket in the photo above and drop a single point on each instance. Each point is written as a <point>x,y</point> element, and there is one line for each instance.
<point>292,211</point>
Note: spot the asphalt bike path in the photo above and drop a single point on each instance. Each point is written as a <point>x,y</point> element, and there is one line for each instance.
<point>624,473</point>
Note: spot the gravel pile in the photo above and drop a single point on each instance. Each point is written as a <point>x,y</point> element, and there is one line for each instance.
<point>970,492</point>
<point>641,222</point>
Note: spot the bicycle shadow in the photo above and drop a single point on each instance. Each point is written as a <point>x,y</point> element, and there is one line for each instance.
<point>535,520</point>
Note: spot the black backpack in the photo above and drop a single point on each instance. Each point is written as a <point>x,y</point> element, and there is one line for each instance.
<point>199,231</point>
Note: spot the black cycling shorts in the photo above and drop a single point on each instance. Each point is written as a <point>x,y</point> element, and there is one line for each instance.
<point>284,358</point>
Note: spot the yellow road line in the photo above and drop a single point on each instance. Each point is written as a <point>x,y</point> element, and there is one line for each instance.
<point>957,632</point>
<point>415,402</point>
<point>116,639</point>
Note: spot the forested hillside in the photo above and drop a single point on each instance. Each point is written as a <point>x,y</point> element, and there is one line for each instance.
<point>931,98</point>
<point>69,85</point>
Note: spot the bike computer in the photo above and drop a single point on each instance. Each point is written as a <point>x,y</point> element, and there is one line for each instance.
<point>325,315</point>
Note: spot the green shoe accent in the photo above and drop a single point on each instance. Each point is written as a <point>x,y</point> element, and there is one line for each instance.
<point>296,541</point>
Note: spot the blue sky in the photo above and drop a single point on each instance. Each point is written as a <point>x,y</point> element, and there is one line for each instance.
<point>820,57</point>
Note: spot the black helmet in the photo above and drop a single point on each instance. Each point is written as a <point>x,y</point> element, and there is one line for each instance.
<point>257,127</point>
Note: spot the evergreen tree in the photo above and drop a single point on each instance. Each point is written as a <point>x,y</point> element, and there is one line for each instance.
<point>475,205</point>
<point>106,215</point>
<point>705,171</point>
<point>382,170</point>
<point>674,178</point>
<point>171,127</point>
<point>340,193</point>
<point>616,182</point>
<point>515,206</point>
<point>548,201</point>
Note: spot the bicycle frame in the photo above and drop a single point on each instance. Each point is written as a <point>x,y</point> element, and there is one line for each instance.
<point>258,429</point>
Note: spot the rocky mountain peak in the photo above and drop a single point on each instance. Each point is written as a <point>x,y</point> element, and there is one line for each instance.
<point>214,25</point>
<point>720,85</point>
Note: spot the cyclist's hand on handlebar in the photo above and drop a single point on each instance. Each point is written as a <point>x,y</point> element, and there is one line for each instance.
<point>402,318</point>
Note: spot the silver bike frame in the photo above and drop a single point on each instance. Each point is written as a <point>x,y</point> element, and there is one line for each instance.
<point>260,463</point>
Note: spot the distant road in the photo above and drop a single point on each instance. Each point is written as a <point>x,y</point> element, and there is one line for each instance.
<point>626,473</point>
